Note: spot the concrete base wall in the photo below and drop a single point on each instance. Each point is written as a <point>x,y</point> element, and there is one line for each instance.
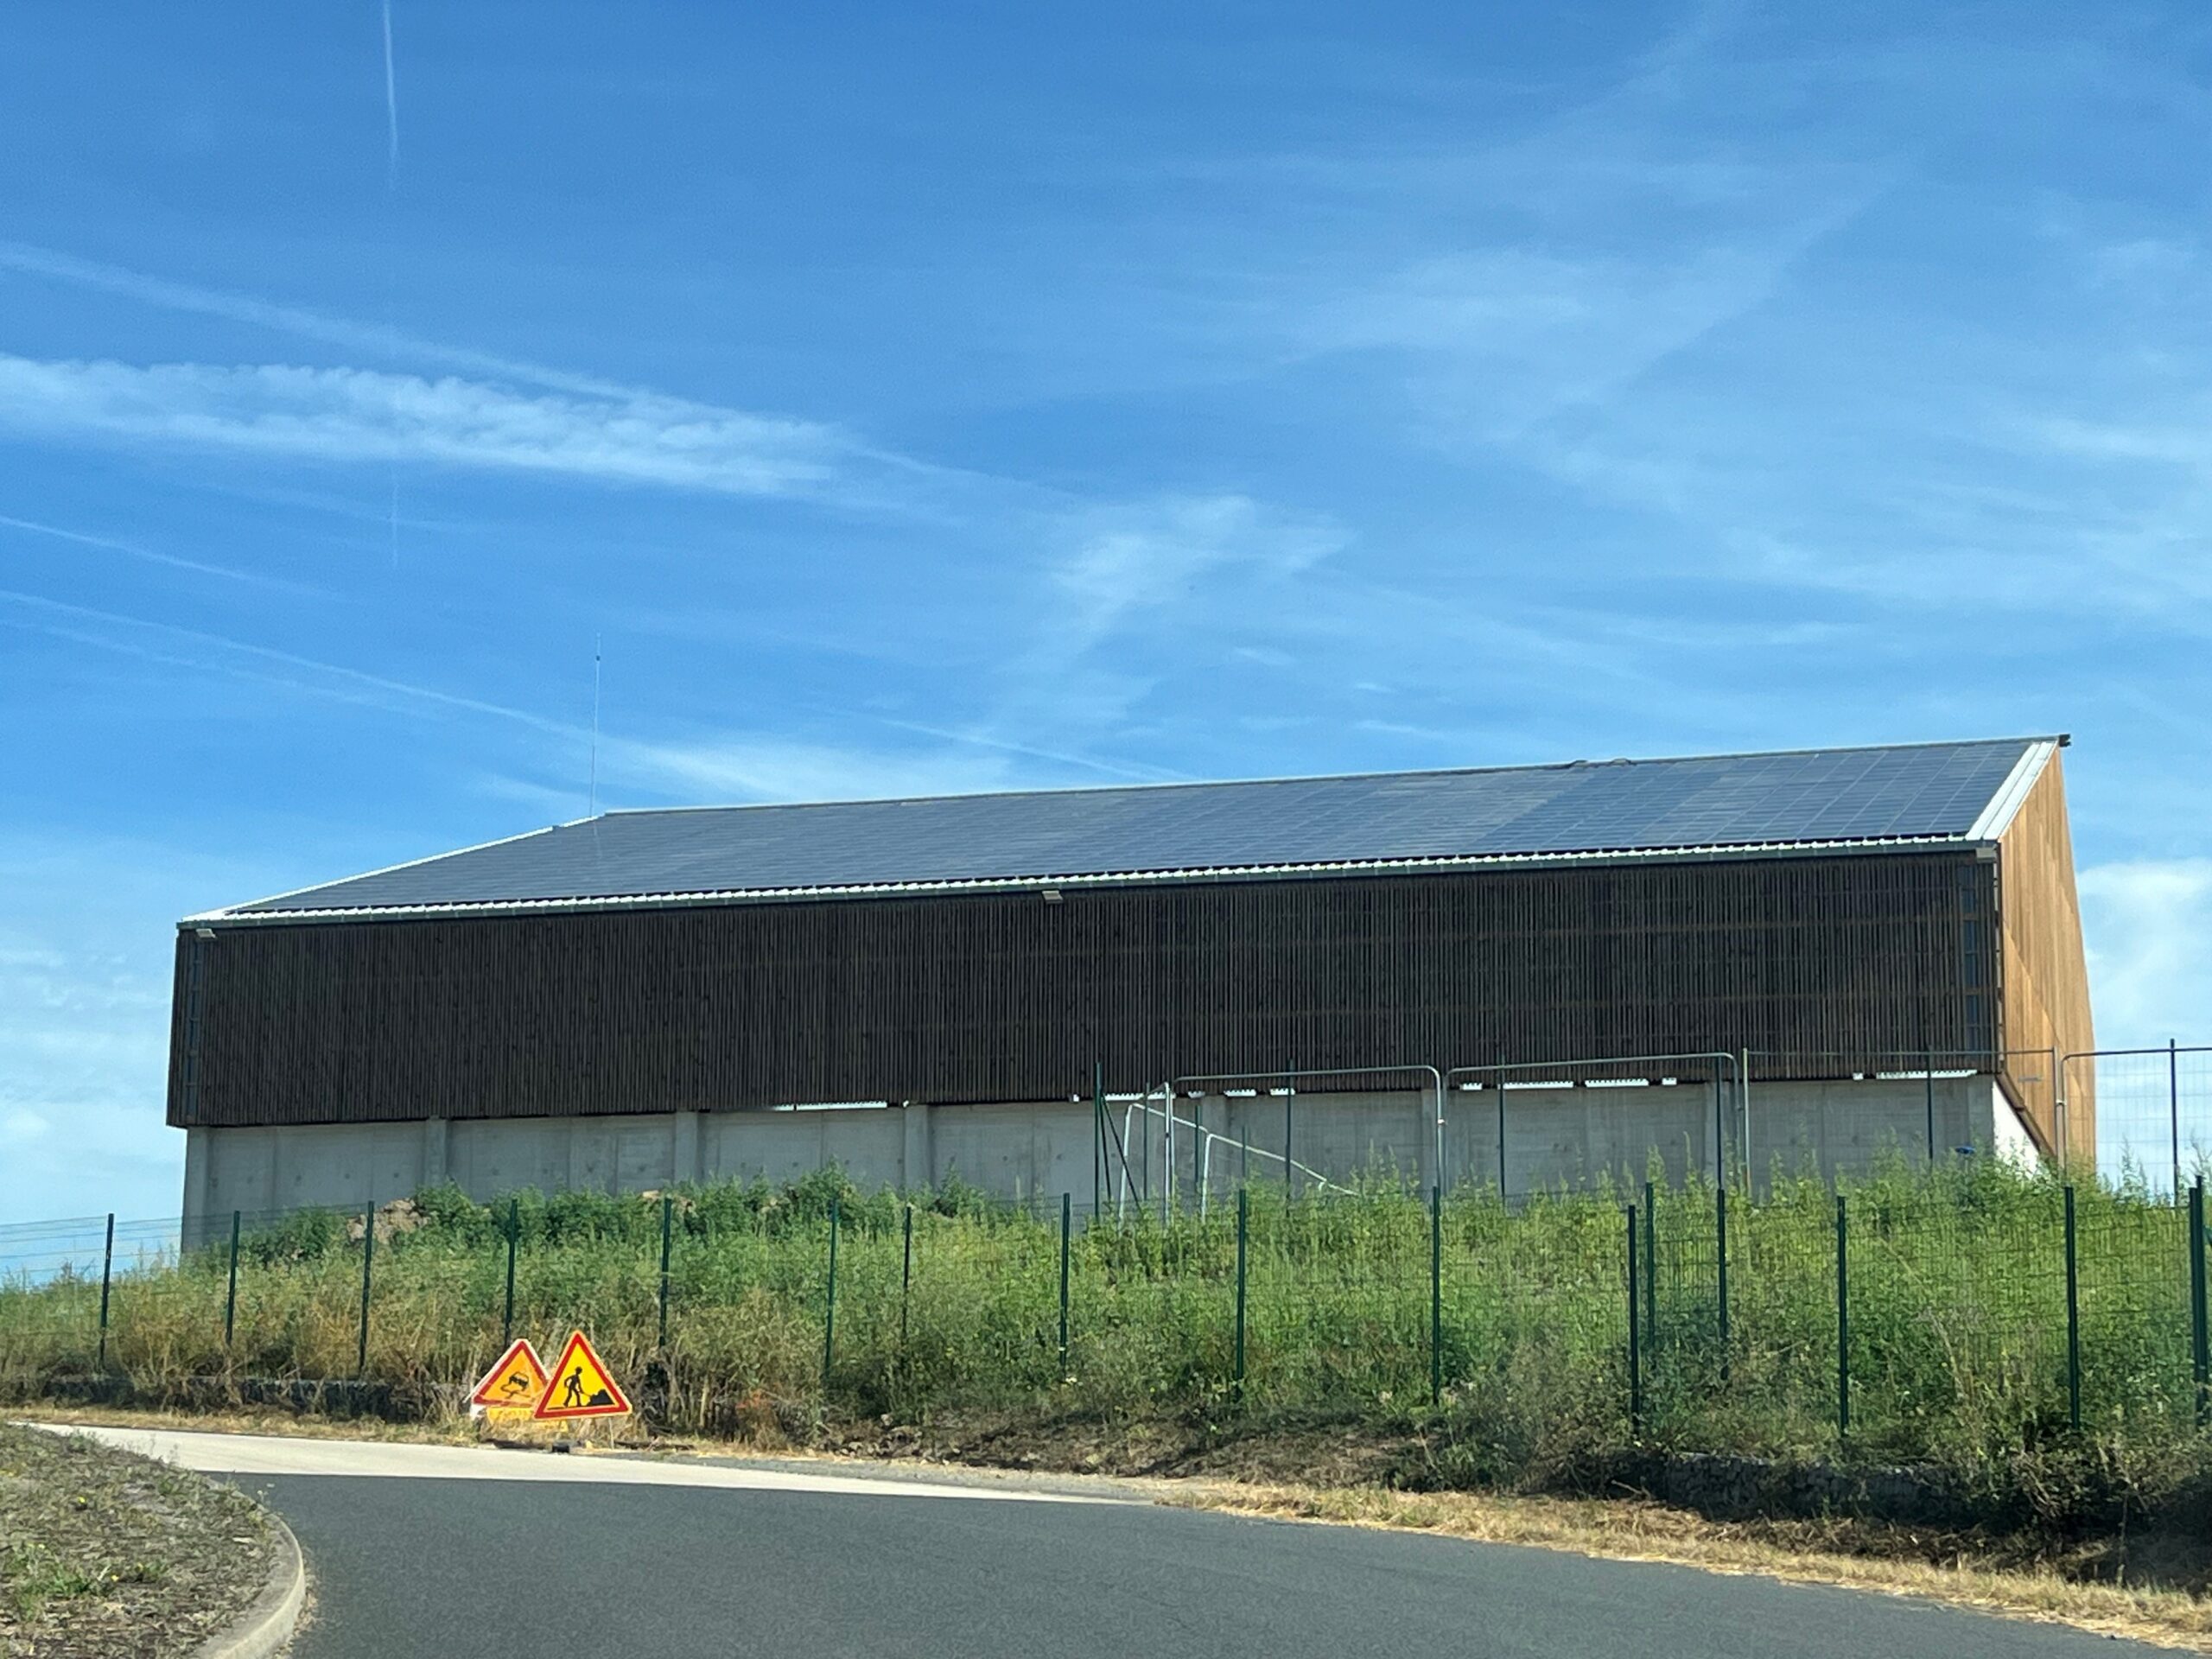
<point>1553,1138</point>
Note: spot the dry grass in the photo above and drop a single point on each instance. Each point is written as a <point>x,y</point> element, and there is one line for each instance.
<point>1808,1552</point>
<point>107,1555</point>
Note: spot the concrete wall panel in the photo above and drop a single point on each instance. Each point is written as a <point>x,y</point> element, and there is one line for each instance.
<point>1554,1138</point>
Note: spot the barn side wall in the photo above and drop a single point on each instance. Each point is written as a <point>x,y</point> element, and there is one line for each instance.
<point>1553,1137</point>
<point>2046,976</point>
<point>1816,963</point>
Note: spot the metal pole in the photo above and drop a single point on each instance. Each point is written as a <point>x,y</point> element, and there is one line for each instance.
<point>829,1307</point>
<point>1065,1227</point>
<point>905,1275</point>
<point>1167,1157</point>
<point>1743,1093</point>
<point>1289,1168</point>
<point>1928,1072</point>
<point>231,1298</point>
<point>1635,1341</point>
<point>514,1232</point>
<point>1842,1324</point>
<point>1719,1133</point>
<point>1720,1256</point>
<point>2073,1324</point>
<point>368,1261</point>
<point>1244,1216</point>
<point>107,1277</point>
<point>1436,1295</point>
<point>1144,1149</point>
<point>1202,1150</point>
<point>2173,1105</point>
<point>1501,1125</point>
<point>1440,1129</point>
<point>2198,1334</point>
<point>667,1212</point>
<point>1098,1133</point>
<point>1650,1268</point>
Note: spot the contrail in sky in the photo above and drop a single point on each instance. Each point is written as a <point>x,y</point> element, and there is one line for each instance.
<point>391,107</point>
<point>391,188</point>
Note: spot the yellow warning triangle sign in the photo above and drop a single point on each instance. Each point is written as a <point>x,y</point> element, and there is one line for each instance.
<point>579,1386</point>
<point>516,1382</point>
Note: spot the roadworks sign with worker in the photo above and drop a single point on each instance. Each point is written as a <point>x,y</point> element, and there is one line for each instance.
<point>580,1387</point>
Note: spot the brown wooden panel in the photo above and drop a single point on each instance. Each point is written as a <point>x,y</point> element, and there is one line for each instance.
<point>2046,976</point>
<point>1829,963</point>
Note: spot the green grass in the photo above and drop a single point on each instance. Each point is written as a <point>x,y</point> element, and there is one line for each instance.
<point>1957,1302</point>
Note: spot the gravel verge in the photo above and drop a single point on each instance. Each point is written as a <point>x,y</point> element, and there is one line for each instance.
<point>105,1555</point>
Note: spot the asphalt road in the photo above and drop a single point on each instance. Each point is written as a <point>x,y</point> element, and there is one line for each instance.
<point>483,1567</point>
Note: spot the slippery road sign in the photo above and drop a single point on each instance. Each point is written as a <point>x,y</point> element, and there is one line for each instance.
<point>516,1382</point>
<point>579,1386</point>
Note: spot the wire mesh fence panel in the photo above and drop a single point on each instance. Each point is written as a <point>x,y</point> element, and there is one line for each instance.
<point>1153,1310</point>
<point>2153,1113</point>
<point>1779,1392</point>
<point>2136,1371</point>
<point>1683,1322</point>
<point>720,1307</point>
<point>1957,1318</point>
<point>1336,1299</point>
<point>1535,1320</point>
<point>976,1322</point>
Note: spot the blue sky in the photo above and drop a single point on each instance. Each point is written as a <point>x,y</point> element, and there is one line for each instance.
<point>921,398</point>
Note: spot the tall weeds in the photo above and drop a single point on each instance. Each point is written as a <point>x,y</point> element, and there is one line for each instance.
<point>1956,1286</point>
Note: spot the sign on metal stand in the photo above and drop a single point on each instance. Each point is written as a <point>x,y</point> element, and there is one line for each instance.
<point>581,1386</point>
<point>514,1385</point>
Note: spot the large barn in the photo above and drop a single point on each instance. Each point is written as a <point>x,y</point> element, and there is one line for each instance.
<point>1817,957</point>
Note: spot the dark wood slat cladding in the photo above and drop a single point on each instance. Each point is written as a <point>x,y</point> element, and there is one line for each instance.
<point>1002,996</point>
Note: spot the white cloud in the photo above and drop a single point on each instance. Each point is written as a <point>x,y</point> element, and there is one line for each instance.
<point>2149,926</point>
<point>20,1125</point>
<point>354,416</point>
<point>736,769</point>
<point>1130,559</point>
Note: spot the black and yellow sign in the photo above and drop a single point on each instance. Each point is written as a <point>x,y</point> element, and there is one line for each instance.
<point>581,1386</point>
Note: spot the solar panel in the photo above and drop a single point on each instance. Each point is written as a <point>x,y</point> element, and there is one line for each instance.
<point>1621,807</point>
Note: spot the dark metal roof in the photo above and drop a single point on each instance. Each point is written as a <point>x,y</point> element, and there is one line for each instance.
<point>1804,800</point>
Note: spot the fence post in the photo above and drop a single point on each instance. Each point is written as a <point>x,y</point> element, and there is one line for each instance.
<point>1650,1270</point>
<point>231,1296</point>
<point>667,1218</point>
<point>514,1231</point>
<point>1066,1228</point>
<point>1928,1073</point>
<point>905,1276</point>
<point>1842,1324</point>
<point>829,1309</point>
<point>1243,1216</point>
<point>2201,1361</point>
<point>1436,1295</point>
<point>1635,1346</point>
<point>107,1277</point>
<point>1720,1256</point>
<point>368,1258</point>
<point>1098,1139</point>
<point>2073,1323</point>
<point>2173,1105</point>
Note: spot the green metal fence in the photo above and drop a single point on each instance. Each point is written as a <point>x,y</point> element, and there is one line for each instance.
<point>1900,1318</point>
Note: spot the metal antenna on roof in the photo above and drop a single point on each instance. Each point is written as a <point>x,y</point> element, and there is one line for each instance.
<point>594,811</point>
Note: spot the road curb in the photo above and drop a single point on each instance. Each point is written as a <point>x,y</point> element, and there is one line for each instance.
<point>268,1624</point>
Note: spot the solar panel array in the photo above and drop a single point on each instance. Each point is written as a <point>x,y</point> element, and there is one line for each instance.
<point>1620,806</point>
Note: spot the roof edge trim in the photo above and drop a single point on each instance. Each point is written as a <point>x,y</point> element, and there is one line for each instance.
<point>712,898</point>
<point>2004,805</point>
